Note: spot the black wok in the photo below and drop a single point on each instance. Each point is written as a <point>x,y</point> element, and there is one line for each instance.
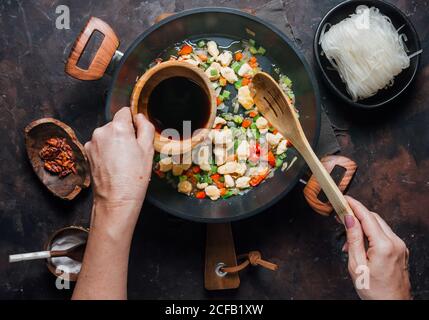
<point>223,25</point>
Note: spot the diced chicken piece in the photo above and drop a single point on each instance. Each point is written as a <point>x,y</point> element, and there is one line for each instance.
<point>241,168</point>
<point>244,69</point>
<point>263,131</point>
<point>243,150</point>
<point>213,72</point>
<point>261,123</point>
<point>257,171</point>
<point>219,120</point>
<point>229,74</point>
<point>202,186</point>
<point>220,155</point>
<point>186,165</point>
<point>185,187</point>
<point>245,98</point>
<point>177,170</point>
<point>205,166</point>
<point>242,183</point>
<point>225,58</point>
<point>229,181</point>
<point>274,139</point>
<point>228,168</point>
<point>193,62</point>
<point>282,147</point>
<point>165,164</point>
<point>202,158</point>
<point>222,136</point>
<point>212,49</point>
<point>212,192</point>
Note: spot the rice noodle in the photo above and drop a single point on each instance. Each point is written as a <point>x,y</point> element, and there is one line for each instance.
<point>366,50</point>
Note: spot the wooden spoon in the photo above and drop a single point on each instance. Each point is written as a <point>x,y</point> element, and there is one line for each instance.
<point>277,108</point>
<point>76,253</point>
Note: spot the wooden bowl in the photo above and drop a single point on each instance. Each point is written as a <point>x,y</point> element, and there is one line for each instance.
<point>72,230</point>
<point>36,134</point>
<point>150,79</point>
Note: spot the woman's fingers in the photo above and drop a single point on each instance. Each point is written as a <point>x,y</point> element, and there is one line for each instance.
<point>123,115</point>
<point>355,243</point>
<point>387,230</point>
<point>370,225</point>
<point>145,131</point>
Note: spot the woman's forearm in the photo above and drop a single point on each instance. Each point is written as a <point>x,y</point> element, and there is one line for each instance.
<point>105,265</point>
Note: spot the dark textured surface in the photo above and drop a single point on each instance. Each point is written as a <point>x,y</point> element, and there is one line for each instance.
<point>391,149</point>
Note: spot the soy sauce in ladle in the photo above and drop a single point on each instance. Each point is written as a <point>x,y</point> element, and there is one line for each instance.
<point>178,99</point>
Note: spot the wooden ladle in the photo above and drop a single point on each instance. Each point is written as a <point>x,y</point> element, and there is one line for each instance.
<point>277,108</point>
<point>76,253</point>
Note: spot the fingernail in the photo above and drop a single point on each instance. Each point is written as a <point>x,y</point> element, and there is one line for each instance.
<point>349,221</point>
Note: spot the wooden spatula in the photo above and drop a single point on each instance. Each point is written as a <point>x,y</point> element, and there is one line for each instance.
<point>278,110</point>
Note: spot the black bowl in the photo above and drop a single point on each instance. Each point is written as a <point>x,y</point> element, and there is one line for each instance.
<point>402,81</point>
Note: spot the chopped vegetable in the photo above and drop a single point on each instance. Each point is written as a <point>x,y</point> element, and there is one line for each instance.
<point>271,159</point>
<point>238,56</point>
<point>253,114</point>
<point>228,194</point>
<point>215,177</point>
<point>200,195</point>
<point>236,66</point>
<point>238,119</point>
<point>214,72</point>
<point>222,82</point>
<point>183,178</point>
<point>286,81</point>
<point>245,81</point>
<point>226,94</point>
<point>223,191</point>
<point>262,51</point>
<point>253,50</point>
<point>186,49</point>
<point>237,84</point>
<point>246,123</point>
<point>196,169</point>
<point>252,42</point>
<point>202,57</point>
<point>256,180</point>
<point>201,43</point>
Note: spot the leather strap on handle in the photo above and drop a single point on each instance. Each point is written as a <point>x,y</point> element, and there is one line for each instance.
<point>252,258</point>
<point>312,189</point>
<point>102,58</point>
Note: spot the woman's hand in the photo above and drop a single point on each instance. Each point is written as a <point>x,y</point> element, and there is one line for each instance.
<point>121,162</point>
<point>381,272</point>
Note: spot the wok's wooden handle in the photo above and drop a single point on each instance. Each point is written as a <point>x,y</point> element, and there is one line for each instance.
<point>102,58</point>
<point>220,249</point>
<point>332,192</point>
<point>313,188</point>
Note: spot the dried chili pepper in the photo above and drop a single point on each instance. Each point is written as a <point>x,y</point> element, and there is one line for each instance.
<point>58,157</point>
